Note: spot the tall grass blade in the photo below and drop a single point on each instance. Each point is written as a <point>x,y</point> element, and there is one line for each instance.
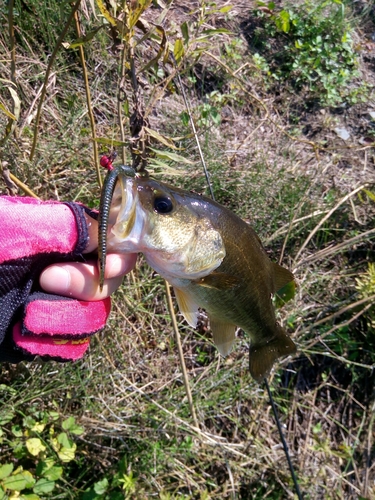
<point>51,60</point>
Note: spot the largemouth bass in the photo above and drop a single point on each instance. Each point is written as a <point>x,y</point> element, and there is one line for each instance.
<point>211,257</point>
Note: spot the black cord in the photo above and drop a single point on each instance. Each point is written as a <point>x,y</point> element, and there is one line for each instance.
<point>285,446</point>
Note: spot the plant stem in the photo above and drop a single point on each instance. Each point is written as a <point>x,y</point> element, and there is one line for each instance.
<point>181,355</point>
<point>88,102</point>
<point>46,76</point>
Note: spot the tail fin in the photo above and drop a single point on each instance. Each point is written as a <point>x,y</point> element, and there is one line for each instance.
<point>263,356</point>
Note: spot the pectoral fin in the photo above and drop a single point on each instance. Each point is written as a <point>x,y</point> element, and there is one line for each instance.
<point>224,335</point>
<point>187,306</point>
<point>282,276</point>
<point>263,356</point>
<point>219,281</point>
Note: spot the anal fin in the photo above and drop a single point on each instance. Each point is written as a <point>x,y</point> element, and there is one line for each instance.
<point>224,335</point>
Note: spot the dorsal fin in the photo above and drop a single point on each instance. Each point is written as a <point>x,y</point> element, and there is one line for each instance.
<point>281,276</point>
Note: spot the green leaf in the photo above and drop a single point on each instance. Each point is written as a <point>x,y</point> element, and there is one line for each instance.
<point>370,194</point>
<point>284,23</point>
<point>166,155</point>
<point>178,50</point>
<point>43,486</point>
<point>164,140</point>
<point>63,439</point>
<point>215,116</point>
<point>212,32</point>
<point>67,454</point>
<point>35,446</point>
<point>101,486</point>
<point>90,495</point>
<point>185,118</point>
<point>17,430</point>
<point>77,430</point>
<point>68,423</point>
<point>67,451</point>
<point>29,496</point>
<point>82,40</point>
<point>6,470</point>
<point>44,465</point>
<point>157,166</point>
<point>29,422</point>
<point>54,415</point>
<point>185,32</point>
<point>7,112</point>
<point>12,88</point>
<point>54,473</point>
<point>17,482</point>
<point>110,142</point>
<point>285,294</point>
<point>5,388</point>
<point>30,480</point>
<point>6,417</point>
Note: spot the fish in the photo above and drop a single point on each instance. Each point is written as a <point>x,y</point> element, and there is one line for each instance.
<point>211,257</point>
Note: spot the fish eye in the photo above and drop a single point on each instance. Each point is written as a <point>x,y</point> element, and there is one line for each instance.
<point>163,204</point>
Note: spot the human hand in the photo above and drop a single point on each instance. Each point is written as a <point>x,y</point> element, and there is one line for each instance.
<point>33,235</point>
<point>81,279</point>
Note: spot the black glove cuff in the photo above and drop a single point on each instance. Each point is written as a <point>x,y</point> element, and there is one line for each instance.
<point>82,229</point>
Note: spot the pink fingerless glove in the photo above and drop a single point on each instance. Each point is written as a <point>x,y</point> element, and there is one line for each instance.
<point>33,235</point>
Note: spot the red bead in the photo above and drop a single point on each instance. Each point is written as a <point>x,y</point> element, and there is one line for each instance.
<point>106,162</point>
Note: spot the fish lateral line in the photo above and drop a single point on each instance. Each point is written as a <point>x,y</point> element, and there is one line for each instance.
<point>218,281</point>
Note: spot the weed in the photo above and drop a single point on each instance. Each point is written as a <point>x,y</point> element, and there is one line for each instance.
<point>34,453</point>
<point>365,285</point>
<point>314,50</point>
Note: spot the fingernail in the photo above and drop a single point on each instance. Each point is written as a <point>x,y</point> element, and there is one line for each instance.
<point>55,280</point>
<point>114,266</point>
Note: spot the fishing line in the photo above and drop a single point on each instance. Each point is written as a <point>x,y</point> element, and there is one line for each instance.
<point>206,173</point>
<point>285,446</point>
<point>187,105</point>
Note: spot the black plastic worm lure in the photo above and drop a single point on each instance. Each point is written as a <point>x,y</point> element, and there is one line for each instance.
<point>105,205</point>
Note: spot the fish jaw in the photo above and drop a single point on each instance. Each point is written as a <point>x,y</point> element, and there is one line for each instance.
<point>126,233</point>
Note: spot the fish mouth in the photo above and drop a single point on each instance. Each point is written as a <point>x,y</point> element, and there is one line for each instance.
<point>127,230</point>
